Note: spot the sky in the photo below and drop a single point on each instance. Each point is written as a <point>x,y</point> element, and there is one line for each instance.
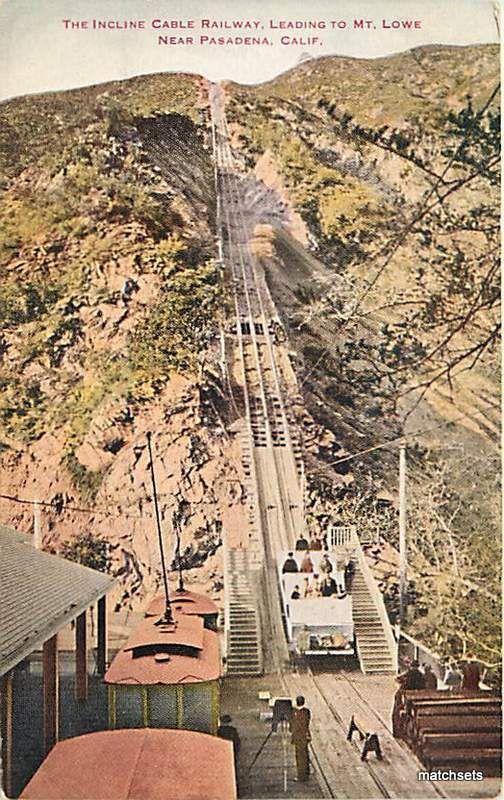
<point>37,52</point>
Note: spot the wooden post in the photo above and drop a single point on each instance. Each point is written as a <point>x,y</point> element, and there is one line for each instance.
<point>402,535</point>
<point>101,655</point>
<point>6,734</point>
<point>81,678</point>
<point>37,526</point>
<point>51,693</point>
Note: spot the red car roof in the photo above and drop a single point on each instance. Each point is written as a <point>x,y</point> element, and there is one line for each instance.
<point>186,632</point>
<point>203,665</point>
<point>152,764</point>
<point>186,602</point>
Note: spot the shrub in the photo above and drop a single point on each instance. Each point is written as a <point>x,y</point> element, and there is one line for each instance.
<point>88,550</point>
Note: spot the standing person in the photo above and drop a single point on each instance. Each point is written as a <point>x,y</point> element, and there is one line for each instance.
<point>410,679</point>
<point>349,574</point>
<point>471,674</point>
<point>306,563</point>
<point>339,574</point>
<point>229,732</point>
<point>325,564</point>
<point>300,737</point>
<point>414,679</point>
<point>430,677</point>
<point>398,707</point>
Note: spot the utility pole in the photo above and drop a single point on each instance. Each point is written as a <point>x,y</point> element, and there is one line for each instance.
<point>403,564</point>
<point>168,615</point>
<point>303,495</point>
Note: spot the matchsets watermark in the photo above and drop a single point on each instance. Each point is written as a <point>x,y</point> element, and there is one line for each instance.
<point>449,775</point>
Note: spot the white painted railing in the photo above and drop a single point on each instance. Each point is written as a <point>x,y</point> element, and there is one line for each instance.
<point>342,536</point>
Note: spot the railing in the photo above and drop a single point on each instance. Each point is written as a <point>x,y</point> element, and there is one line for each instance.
<point>411,648</point>
<point>377,598</point>
<point>342,536</point>
<point>227,616</point>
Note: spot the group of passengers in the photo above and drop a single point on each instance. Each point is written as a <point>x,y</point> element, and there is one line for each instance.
<point>316,587</point>
<point>315,543</point>
<point>330,580</point>
<point>418,677</point>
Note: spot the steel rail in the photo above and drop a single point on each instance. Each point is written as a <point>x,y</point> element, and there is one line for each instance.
<point>279,491</point>
<point>278,391</point>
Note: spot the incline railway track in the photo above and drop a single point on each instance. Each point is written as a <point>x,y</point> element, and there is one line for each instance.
<point>336,762</point>
<point>275,468</point>
<point>276,486</point>
<point>274,475</point>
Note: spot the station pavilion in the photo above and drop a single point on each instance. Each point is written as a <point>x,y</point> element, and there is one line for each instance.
<point>41,595</point>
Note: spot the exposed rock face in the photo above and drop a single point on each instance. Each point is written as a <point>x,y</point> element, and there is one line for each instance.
<point>109,302</point>
<point>198,476</point>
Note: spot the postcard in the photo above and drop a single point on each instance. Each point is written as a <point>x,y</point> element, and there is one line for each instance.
<point>250,399</point>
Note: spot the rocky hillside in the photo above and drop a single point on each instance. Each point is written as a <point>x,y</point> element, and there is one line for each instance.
<point>110,300</point>
<point>373,189</point>
<point>385,268</point>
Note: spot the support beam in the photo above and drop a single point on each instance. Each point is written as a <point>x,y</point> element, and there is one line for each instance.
<point>81,677</point>
<point>51,692</point>
<point>6,698</point>
<point>101,656</point>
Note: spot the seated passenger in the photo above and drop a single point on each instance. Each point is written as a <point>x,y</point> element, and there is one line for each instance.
<point>316,585</point>
<point>307,589</point>
<point>326,565</point>
<point>328,586</point>
<point>290,564</point>
<point>302,543</point>
<point>306,563</point>
<point>315,543</point>
<point>296,594</point>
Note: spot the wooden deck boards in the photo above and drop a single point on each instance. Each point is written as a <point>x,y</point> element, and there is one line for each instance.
<point>338,770</point>
<point>377,694</point>
<point>346,774</point>
<point>397,773</point>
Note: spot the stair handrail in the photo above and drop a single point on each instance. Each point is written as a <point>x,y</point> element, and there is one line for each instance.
<point>377,598</point>
<point>227,614</point>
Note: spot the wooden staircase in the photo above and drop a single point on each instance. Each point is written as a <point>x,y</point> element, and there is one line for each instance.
<point>242,629</point>
<point>376,645</point>
<point>375,642</point>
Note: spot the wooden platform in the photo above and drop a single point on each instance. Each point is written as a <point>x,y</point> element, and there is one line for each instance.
<point>240,699</point>
<point>338,770</point>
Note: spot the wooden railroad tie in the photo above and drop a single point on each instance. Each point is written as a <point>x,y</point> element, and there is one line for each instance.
<point>371,741</point>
